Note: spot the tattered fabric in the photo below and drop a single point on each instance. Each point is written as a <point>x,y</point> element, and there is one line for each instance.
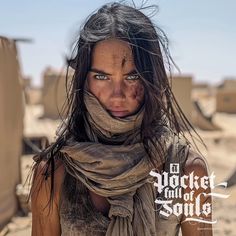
<point>117,171</point>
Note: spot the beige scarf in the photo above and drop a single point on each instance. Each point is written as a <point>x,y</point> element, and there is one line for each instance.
<point>118,170</point>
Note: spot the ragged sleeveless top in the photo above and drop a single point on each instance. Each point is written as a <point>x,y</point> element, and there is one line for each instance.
<point>79,217</point>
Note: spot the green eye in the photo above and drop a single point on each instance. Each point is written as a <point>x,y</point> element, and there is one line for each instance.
<point>133,77</point>
<point>100,77</point>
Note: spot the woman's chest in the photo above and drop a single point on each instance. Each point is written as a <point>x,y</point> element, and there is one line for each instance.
<point>80,212</point>
<point>100,203</point>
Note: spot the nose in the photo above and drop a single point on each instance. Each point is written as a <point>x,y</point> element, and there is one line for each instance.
<point>118,90</point>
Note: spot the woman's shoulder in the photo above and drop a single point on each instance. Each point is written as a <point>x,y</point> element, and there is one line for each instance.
<point>197,194</point>
<point>192,160</point>
<point>42,182</point>
<point>195,163</point>
<point>44,201</point>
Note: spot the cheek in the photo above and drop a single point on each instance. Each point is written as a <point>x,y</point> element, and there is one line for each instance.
<point>94,88</point>
<point>99,90</point>
<point>137,92</point>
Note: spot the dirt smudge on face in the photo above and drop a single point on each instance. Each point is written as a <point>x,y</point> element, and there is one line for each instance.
<point>137,92</point>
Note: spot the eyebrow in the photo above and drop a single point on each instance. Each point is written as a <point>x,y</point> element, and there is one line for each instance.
<point>105,73</point>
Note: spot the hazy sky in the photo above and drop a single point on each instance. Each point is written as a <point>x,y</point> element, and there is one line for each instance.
<point>202,33</point>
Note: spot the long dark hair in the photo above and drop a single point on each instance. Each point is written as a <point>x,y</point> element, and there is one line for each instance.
<point>152,59</point>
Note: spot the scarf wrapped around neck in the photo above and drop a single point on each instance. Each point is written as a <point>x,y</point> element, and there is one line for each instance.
<point>114,164</point>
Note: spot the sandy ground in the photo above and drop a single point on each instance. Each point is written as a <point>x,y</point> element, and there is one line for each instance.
<point>221,156</point>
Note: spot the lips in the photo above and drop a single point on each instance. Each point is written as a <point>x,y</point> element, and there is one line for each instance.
<point>119,113</point>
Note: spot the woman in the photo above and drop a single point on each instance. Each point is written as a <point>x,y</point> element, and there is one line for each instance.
<point>122,122</point>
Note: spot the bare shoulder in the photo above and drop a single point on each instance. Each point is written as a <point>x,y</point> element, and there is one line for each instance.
<point>199,197</point>
<point>195,163</point>
<point>45,213</point>
<point>41,186</point>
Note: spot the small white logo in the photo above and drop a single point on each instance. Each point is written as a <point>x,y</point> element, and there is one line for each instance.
<point>174,168</point>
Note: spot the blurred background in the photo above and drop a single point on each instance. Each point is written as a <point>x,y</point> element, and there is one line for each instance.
<point>36,38</point>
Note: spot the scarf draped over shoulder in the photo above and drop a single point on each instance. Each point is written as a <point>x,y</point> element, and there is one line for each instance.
<point>115,164</point>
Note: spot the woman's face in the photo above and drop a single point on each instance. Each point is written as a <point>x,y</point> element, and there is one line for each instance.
<point>113,78</point>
